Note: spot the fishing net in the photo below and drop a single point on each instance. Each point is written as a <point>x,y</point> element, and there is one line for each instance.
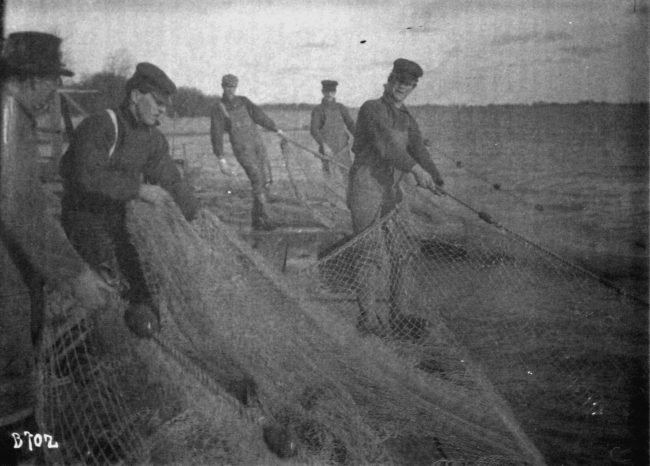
<point>107,398</point>
<point>483,351</point>
<point>475,348</point>
<point>342,395</point>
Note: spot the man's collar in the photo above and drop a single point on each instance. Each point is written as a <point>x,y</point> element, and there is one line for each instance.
<point>324,101</point>
<point>225,98</point>
<point>131,119</point>
<point>390,102</point>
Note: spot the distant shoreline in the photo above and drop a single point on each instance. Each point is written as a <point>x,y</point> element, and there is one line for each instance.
<point>305,106</point>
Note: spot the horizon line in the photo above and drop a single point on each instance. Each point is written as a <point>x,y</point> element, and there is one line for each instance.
<point>505,104</point>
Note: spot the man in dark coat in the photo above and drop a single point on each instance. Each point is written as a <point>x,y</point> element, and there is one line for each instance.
<point>34,250</point>
<point>387,145</point>
<point>238,116</point>
<point>329,122</point>
<point>116,156</point>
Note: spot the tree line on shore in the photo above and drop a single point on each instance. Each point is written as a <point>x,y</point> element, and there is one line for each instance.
<point>106,89</point>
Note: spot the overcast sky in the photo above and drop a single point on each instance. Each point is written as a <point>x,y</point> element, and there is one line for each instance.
<point>473,52</point>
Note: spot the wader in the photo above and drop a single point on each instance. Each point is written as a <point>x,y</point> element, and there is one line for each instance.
<point>336,138</point>
<point>250,152</point>
<point>371,197</point>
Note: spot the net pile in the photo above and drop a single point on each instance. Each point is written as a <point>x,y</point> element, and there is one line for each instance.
<point>345,398</point>
<point>482,350</point>
<point>107,398</point>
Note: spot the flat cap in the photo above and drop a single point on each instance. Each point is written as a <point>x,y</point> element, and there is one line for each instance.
<point>149,78</point>
<point>407,69</point>
<point>329,85</point>
<point>229,80</point>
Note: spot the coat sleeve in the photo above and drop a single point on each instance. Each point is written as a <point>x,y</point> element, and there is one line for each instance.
<point>218,123</point>
<point>317,121</point>
<point>258,116</point>
<point>33,237</point>
<point>91,168</point>
<point>161,170</point>
<point>374,130</point>
<point>419,152</point>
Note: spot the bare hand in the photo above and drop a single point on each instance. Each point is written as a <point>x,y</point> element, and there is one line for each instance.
<point>152,193</point>
<point>89,288</point>
<point>327,152</point>
<point>437,190</point>
<point>437,179</point>
<point>422,177</point>
<point>282,134</point>
<point>225,167</point>
<point>142,320</point>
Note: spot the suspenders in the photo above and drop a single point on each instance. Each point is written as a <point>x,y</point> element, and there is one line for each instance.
<point>224,110</point>
<point>111,113</point>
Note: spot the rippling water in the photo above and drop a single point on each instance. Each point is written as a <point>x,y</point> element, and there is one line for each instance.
<point>573,178</point>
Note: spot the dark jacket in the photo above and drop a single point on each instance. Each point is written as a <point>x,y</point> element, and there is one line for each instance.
<point>95,183</point>
<point>387,144</point>
<point>375,143</point>
<point>220,122</point>
<point>331,111</point>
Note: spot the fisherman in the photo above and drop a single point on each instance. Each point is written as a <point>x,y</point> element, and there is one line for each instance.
<point>329,122</point>
<point>115,156</point>
<point>34,250</point>
<point>237,116</point>
<point>387,145</point>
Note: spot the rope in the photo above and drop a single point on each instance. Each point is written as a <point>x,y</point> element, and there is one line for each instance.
<point>496,186</point>
<point>71,101</point>
<point>320,218</point>
<point>67,119</point>
<point>459,164</point>
<point>207,381</point>
<point>488,219</point>
<point>313,152</point>
<point>296,191</point>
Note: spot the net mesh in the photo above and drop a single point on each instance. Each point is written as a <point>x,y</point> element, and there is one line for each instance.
<point>476,366</point>
<point>402,345</point>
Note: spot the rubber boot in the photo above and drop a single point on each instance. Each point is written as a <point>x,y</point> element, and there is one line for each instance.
<point>260,218</point>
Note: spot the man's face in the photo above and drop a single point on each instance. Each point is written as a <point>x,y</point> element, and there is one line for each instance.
<point>229,91</point>
<point>400,88</point>
<point>148,108</point>
<point>329,95</point>
<point>39,92</point>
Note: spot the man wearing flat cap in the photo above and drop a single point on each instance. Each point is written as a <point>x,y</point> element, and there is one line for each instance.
<point>116,156</point>
<point>329,122</point>
<point>238,116</point>
<point>387,145</point>
<point>34,250</point>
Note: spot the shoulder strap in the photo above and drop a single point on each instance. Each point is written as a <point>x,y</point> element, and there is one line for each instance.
<point>111,113</point>
<point>224,109</point>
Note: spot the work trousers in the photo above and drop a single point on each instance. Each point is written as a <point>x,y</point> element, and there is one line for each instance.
<point>253,158</point>
<point>102,240</point>
<point>382,243</point>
